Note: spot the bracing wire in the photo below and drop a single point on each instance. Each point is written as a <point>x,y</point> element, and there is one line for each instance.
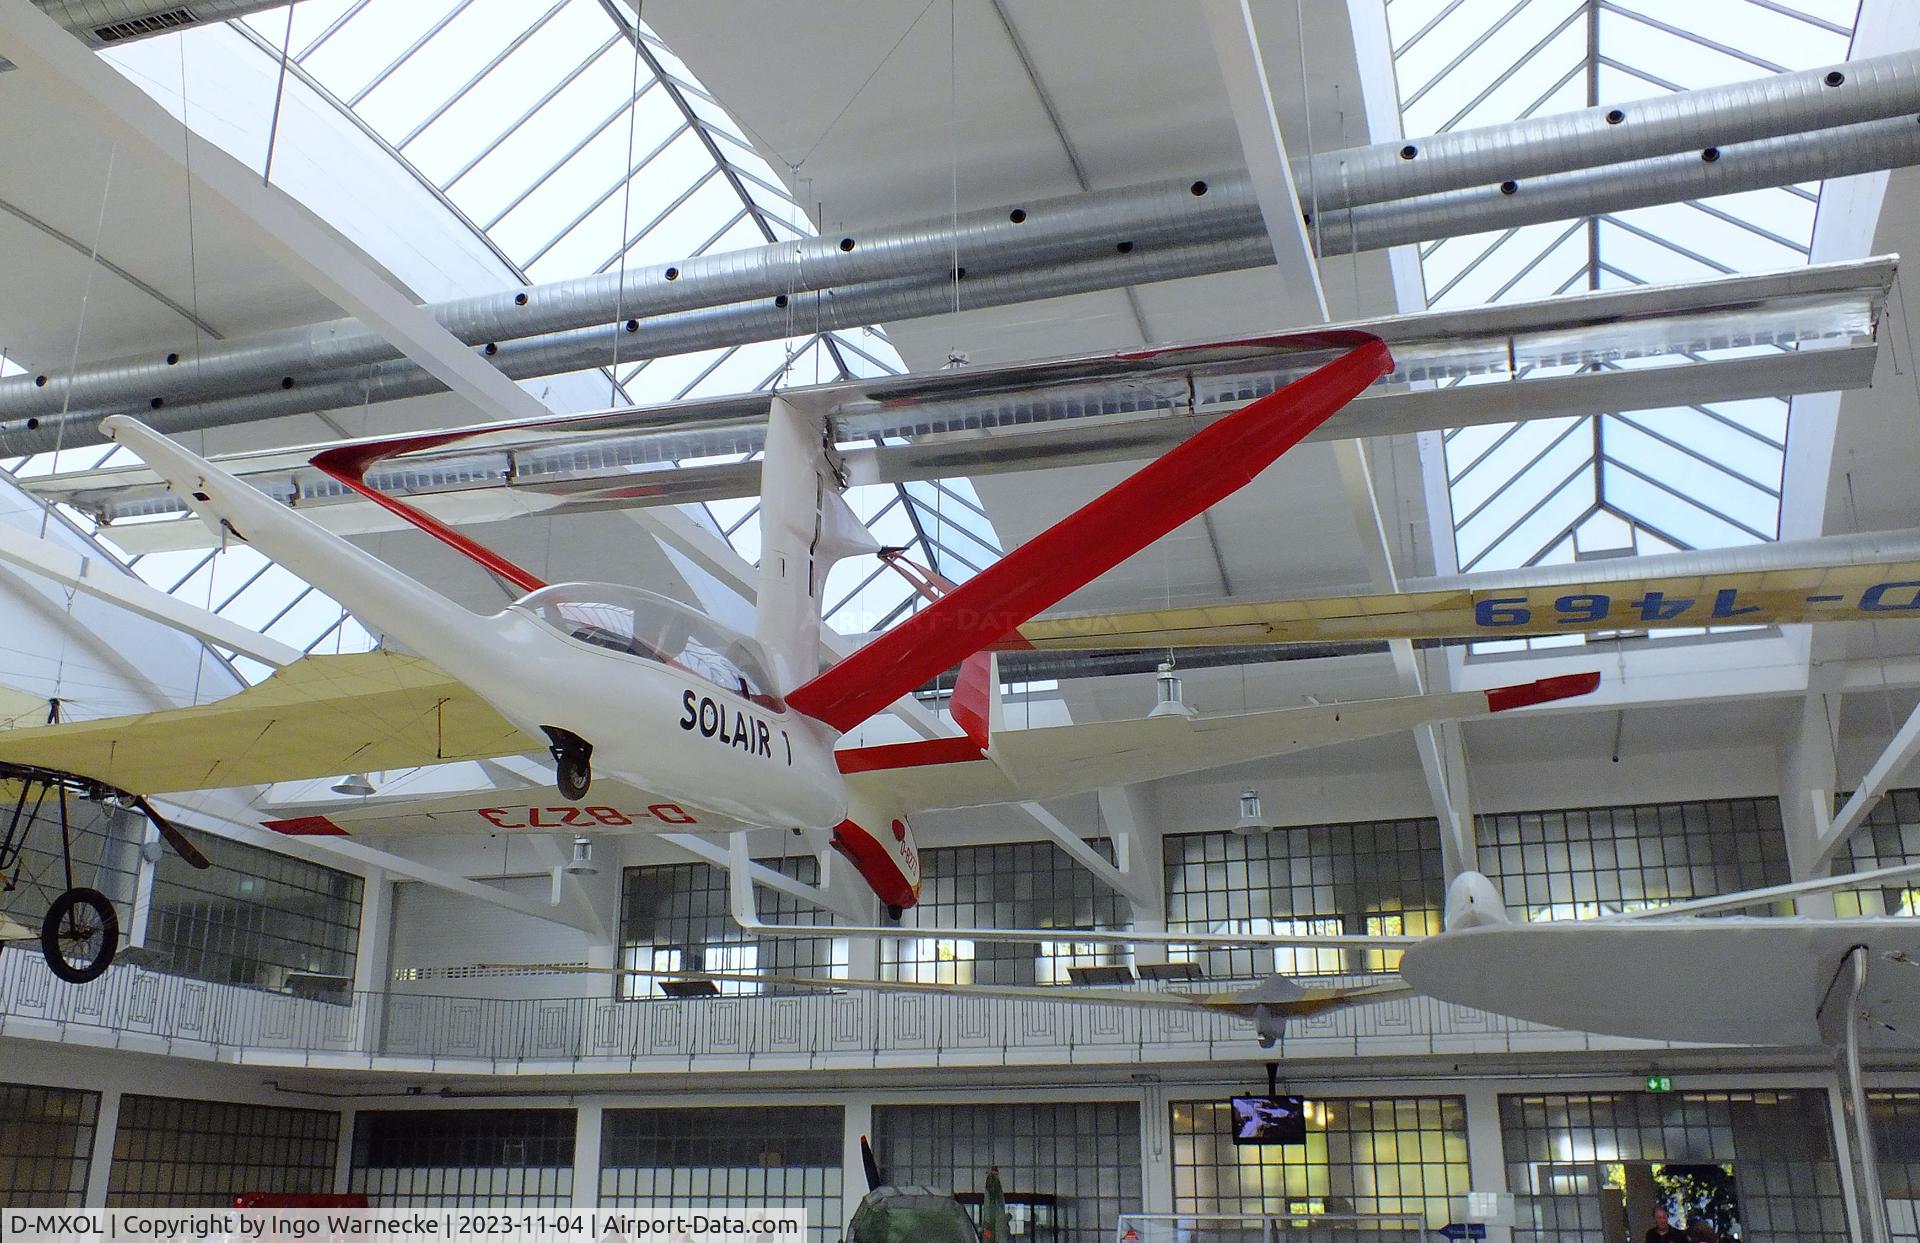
<point>279,96</point>
<point>626,214</point>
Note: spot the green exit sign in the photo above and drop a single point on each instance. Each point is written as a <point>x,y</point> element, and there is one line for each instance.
<point>1659,1083</point>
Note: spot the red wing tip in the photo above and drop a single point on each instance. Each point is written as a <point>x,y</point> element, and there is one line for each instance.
<point>305,826</point>
<point>1542,690</point>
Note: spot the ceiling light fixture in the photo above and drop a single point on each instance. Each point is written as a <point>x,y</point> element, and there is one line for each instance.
<point>1250,821</point>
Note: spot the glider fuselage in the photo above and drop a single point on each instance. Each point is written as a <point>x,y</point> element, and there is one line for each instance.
<point>673,703</point>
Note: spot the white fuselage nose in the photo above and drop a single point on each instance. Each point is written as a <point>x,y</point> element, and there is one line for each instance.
<point>657,727</point>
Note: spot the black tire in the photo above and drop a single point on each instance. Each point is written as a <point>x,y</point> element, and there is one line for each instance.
<point>574,777</point>
<point>79,935</point>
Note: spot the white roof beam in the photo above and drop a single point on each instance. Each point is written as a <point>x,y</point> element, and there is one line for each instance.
<point>1236,46</point>
<point>104,581</point>
<point>1893,762</point>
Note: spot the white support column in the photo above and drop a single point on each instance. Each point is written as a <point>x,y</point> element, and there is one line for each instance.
<point>856,1121</point>
<point>343,1152</point>
<point>1486,1149</point>
<point>1893,763</point>
<point>1156,1150</point>
<point>1237,49</point>
<point>100,1160</point>
<point>1807,781</point>
<point>1136,844</point>
<point>588,1121</point>
<point>372,960</point>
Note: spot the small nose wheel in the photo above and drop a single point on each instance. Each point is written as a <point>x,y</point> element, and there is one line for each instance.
<point>79,935</point>
<point>572,762</point>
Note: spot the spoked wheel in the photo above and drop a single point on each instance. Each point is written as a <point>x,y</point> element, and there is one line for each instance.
<point>79,935</point>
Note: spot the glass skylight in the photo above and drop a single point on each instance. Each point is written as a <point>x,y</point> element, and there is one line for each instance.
<point>571,140</point>
<point>1556,490</point>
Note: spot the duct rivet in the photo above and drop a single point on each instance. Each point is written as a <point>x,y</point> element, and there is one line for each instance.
<point>490,349</point>
<point>519,299</point>
<point>1835,78</point>
<point>673,274</point>
<point>1615,116</point>
<point>1125,248</point>
<point>33,425</point>
<point>1509,187</point>
<point>1018,215</point>
<point>780,300</point>
<point>172,359</point>
<point>156,403</point>
<point>1409,151</point>
<point>286,381</point>
<point>1710,154</point>
<point>39,381</point>
<point>1197,189</point>
<point>846,243</point>
<point>633,325</point>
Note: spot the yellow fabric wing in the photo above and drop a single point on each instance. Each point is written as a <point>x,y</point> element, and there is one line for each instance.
<point>318,717</point>
<point>1878,591</point>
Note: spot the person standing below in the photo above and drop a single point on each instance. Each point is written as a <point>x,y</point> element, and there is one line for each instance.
<point>1663,1230</point>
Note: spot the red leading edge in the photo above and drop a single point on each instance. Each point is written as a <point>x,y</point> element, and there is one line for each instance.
<point>349,464</point>
<point>1208,468</point>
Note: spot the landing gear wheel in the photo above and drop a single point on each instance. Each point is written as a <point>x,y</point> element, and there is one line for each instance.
<point>895,912</point>
<point>572,762</point>
<point>574,775</point>
<point>79,935</point>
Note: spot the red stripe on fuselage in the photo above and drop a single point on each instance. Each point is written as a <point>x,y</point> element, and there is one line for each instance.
<point>875,863</point>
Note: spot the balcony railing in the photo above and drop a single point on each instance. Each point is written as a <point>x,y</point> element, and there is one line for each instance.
<point>133,1008</point>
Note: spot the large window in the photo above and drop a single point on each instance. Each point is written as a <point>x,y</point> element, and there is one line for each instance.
<point>1583,1167</point>
<point>256,918</point>
<point>1405,1155</point>
<point>1550,491</point>
<point>1383,878</point>
<point>464,1158</point>
<point>46,1138</point>
<point>1896,1134</point>
<point>1076,1166</point>
<point>1013,885</point>
<point>676,917</point>
<point>1604,860</point>
<point>1890,836</point>
<point>771,1156</point>
<point>170,1153</point>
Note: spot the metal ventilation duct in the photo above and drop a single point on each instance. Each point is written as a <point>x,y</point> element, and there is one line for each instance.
<point>1746,166</point>
<point>103,23</point>
<point>1789,103</point>
<point>1529,156</point>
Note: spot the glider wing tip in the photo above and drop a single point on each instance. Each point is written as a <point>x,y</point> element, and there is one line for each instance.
<point>1542,690</point>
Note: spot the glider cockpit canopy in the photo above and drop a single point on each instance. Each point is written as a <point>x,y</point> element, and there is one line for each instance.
<point>653,627</point>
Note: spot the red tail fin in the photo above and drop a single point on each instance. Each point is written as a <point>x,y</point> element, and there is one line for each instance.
<point>1207,469</point>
